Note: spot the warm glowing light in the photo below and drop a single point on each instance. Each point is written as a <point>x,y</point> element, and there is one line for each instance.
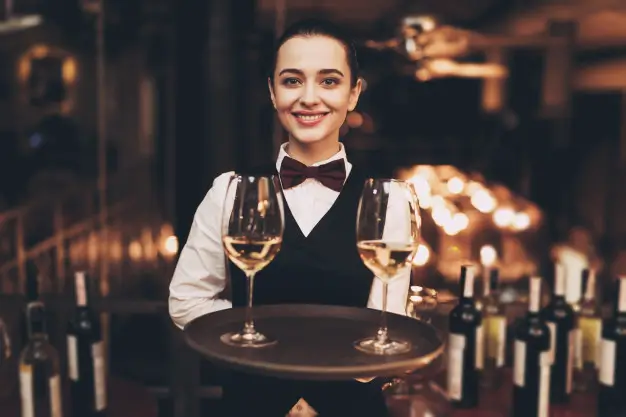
<point>115,250</point>
<point>170,245</point>
<point>422,255</point>
<point>503,217</point>
<point>483,201</point>
<point>472,187</point>
<point>455,185</point>
<point>69,70</point>
<point>450,229</point>
<point>441,216</point>
<point>354,119</point>
<point>521,221</point>
<point>39,51</point>
<point>135,251</point>
<point>425,201</point>
<point>460,221</point>
<point>488,255</point>
<point>422,188</point>
<point>438,202</point>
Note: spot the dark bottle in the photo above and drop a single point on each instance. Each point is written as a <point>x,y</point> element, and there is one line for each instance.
<point>40,381</point>
<point>531,360</point>
<point>465,346</point>
<point>560,318</point>
<point>85,356</point>
<point>612,375</point>
<point>494,323</point>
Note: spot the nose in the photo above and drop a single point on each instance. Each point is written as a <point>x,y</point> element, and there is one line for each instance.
<point>309,96</point>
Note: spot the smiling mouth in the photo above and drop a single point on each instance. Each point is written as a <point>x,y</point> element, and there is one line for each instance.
<point>309,117</point>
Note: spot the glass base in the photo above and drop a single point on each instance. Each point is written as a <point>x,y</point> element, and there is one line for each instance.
<point>373,346</point>
<point>241,339</point>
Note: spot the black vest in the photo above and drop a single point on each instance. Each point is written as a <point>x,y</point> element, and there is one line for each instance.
<point>321,268</point>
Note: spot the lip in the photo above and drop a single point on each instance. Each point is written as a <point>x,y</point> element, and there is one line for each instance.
<point>308,118</point>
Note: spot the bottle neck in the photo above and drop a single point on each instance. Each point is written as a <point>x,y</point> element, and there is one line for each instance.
<point>620,304</point>
<point>467,284</point>
<point>534,296</point>
<point>589,282</point>
<point>36,321</point>
<point>559,282</point>
<point>80,288</point>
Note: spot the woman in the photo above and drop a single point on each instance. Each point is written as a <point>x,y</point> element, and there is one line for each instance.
<point>313,84</point>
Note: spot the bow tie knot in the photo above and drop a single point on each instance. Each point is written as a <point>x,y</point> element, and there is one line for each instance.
<point>331,174</point>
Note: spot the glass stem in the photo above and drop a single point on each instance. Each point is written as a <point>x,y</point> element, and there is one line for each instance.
<point>383,337</point>
<point>248,327</point>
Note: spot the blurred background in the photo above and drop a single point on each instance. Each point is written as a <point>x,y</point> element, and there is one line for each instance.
<point>509,116</point>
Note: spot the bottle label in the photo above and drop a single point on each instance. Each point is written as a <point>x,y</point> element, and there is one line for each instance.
<point>571,353</point>
<point>545,361</point>
<point>81,290</point>
<point>621,304</point>
<point>552,327</point>
<point>496,338</point>
<point>99,372</point>
<point>578,347</point>
<point>519,363</point>
<point>72,357</point>
<point>455,365</point>
<point>607,363</point>
<point>479,356</point>
<point>55,396</point>
<point>26,391</point>
<point>591,334</point>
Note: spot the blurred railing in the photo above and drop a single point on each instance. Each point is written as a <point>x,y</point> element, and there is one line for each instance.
<point>54,235</point>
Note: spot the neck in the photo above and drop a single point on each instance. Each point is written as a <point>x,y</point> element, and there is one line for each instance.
<point>311,153</point>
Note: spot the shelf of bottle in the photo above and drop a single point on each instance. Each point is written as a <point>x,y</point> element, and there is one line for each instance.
<point>126,399</point>
<point>497,403</point>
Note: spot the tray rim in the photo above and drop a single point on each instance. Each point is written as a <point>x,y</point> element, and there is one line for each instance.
<point>383,369</point>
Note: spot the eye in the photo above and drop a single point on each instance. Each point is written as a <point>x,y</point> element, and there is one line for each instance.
<point>291,81</point>
<point>330,82</point>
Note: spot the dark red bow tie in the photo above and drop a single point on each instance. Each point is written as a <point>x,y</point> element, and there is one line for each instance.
<point>331,175</point>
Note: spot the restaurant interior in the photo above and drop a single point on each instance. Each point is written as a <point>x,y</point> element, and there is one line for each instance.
<point>506,117</point>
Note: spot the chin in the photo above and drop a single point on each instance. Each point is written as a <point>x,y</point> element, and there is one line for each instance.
<point>309,139</point>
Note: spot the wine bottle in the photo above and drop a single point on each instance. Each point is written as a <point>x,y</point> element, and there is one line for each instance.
<point>494,323</point>
<point>465,346</point>
<point>589,334</point>
<point>40,382</point>
<point>5,343</point>
<point>612,376</point>
<point>85,356</point>
<point>559,316</point>
<point>532,360</point>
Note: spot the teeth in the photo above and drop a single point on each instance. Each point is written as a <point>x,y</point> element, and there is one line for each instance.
<point>310,117</point>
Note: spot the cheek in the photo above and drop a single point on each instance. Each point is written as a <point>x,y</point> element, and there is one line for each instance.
<point>285,99</point>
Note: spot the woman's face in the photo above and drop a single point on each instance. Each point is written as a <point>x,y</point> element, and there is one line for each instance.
<point>312,90</point>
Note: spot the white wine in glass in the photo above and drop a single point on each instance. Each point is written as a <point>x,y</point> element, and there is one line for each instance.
<point>253,223</point>
<point>387,231</point>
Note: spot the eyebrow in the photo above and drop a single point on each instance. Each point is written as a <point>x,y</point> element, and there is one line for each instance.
<point>322,71</point>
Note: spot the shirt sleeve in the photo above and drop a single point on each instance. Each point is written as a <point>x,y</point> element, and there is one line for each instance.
<point>397,227</point>
<point>200,274</point>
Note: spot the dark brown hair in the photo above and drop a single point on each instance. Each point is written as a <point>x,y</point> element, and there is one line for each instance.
<point>319,27</point>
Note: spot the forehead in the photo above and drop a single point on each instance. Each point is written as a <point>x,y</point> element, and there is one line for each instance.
<point>312,53</point>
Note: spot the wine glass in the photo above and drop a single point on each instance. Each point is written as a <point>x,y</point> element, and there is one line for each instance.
<point>252,234</point>
<point>387,235</point>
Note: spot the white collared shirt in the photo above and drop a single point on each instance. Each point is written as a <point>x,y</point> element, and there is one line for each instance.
<point>200,275</point>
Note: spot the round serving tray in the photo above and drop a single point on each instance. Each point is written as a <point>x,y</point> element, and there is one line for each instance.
<point>315,342</point>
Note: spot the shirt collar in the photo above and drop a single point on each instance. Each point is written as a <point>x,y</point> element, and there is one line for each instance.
<point>341,154</point>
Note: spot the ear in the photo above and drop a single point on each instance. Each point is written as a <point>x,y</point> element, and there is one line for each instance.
<point>355,93</point>
<point>271,88</point>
